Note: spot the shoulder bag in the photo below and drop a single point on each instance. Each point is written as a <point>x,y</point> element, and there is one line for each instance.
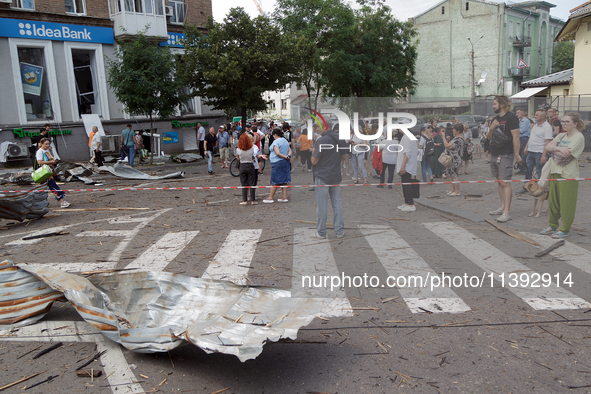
<point>445,160</point>
<point>499,138</point>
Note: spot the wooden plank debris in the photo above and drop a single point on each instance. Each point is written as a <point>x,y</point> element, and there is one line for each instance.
<point>551,248</point>
<point>513,233</point>
<point>45,235</point>
<point>49,349</point>
<point>21,380</point>
<point>85,373</point>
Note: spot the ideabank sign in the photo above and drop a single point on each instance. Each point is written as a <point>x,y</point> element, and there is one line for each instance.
<point>40,30</point>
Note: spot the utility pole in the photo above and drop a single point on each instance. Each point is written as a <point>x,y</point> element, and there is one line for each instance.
<point>473,95</point>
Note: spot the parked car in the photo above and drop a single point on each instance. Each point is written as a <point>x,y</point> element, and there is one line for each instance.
<point>472,124</point>
<point>479,119</point>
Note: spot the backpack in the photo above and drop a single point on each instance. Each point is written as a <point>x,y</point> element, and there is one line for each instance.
<point>429,148</point>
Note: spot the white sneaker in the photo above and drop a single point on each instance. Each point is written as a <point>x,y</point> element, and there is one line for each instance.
<point>401,206</point>
<point>498,211</point>
<point>408,208</point>
<point>505,217</point>
<point>316,235</point>
<point>64,204</point>
<point>341,235</point>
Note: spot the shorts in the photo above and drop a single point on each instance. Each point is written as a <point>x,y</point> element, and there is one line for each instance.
<point>504,169</point>
<point>224,153</point>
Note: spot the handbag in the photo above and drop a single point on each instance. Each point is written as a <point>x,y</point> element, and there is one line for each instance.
<point>42,174</point>
<point>445,160</point>
<point>499,138</point>
<point>562,161</point>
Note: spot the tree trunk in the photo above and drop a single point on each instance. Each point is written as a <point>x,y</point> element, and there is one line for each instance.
<point>243,114</point>
<point>151,139</point>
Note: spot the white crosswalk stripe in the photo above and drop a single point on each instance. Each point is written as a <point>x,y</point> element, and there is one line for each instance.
<point>572,254</point>
<point>400,259</point>
<point>232,262</point>
<point>159,255</point>
<point>313,258</point>
<point>494,261</point>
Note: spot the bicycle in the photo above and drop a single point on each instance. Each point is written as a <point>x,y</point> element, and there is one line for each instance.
<point>235,166</point>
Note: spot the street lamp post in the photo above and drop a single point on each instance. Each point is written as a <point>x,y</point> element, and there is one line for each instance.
<point>473,95</point>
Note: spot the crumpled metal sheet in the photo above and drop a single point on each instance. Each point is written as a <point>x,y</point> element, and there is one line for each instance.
<point>19,178</point>
<point>24,299</point>
<point>187,158</point>
<point>21,206</point>
<point>125,171</point>
<point>149,312</point>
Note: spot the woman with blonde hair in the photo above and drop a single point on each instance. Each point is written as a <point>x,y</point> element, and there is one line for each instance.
<point>45,156</point>
<point>562,196</point>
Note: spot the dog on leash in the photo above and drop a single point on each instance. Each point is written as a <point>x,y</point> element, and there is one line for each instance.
<point>539,193</point>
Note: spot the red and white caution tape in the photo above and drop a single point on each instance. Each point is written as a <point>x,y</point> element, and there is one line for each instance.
<point>294,186</point>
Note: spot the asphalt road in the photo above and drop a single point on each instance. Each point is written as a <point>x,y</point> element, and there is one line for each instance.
<point>477,335</point>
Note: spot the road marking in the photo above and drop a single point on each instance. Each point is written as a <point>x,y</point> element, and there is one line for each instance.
<point>115,220</point>
<point>494,261</point>
<point>119,375</point>
<point>21,242</point>
<point>127,235</point>
<point>314,258</point>
<point>400,260</point>
<point>159,255</point>
<point>573,254</point>
<point>233,259</point>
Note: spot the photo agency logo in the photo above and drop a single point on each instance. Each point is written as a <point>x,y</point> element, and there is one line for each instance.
<point>386,124</point>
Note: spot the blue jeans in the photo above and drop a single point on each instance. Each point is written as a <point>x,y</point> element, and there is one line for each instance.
<point>209,161</point>
<point>533,158</point>
<point>322,194</point>
<point>59,194</point>
<point>522,142</point>
<point>426,168</point>
<point>130,154</point>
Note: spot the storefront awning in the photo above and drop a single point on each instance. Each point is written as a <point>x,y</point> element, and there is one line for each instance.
<point>527,93</point>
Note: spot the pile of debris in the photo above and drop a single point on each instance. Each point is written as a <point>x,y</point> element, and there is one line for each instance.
<point>149,312</point>
<point>20,206</point>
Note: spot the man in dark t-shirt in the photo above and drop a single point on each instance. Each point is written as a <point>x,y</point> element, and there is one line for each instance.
<point>501,160</point>
<point>554,121</point>
<point>328,154</point>
<point>210,142</point>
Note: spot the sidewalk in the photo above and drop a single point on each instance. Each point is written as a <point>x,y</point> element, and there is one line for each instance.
<point>477,209</point>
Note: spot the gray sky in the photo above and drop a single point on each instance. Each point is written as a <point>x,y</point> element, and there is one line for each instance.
<point>403,9</point>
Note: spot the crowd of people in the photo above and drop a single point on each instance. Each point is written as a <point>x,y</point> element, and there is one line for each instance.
<point>507,139</point>
<point>547,147</point>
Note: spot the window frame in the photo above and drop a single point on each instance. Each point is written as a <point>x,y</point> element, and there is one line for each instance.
<point>76,12</point>
<point>176,4</point>
<point>20,7</point>
<point>50,77</point>
<point>99,75</point>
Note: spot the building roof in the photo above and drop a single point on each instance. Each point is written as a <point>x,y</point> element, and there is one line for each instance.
<point>299,99</point>
<point>559,78</point>
<point>569,30</point>
<point>445,1</point>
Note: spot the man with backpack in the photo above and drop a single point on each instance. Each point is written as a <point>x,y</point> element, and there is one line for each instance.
<point>427,145</point>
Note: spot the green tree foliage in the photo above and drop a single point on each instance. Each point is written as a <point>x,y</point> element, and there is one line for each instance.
<point>142,76</point>
<point>374,57</point>
<point>311,23</point>
<point>237,60</point>
<point>564,56</point>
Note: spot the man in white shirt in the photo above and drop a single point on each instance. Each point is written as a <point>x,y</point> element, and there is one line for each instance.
<point>540,136</point>
<point>96,148</point>
<point>201,138</point>
<point>406,165</point>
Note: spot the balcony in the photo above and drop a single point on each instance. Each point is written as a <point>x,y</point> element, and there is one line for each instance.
<point>522,42</point>
<point>131,17</point>
<point>519,72</point>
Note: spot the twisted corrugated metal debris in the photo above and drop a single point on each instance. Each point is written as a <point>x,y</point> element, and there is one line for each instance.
<point>149,312</point>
